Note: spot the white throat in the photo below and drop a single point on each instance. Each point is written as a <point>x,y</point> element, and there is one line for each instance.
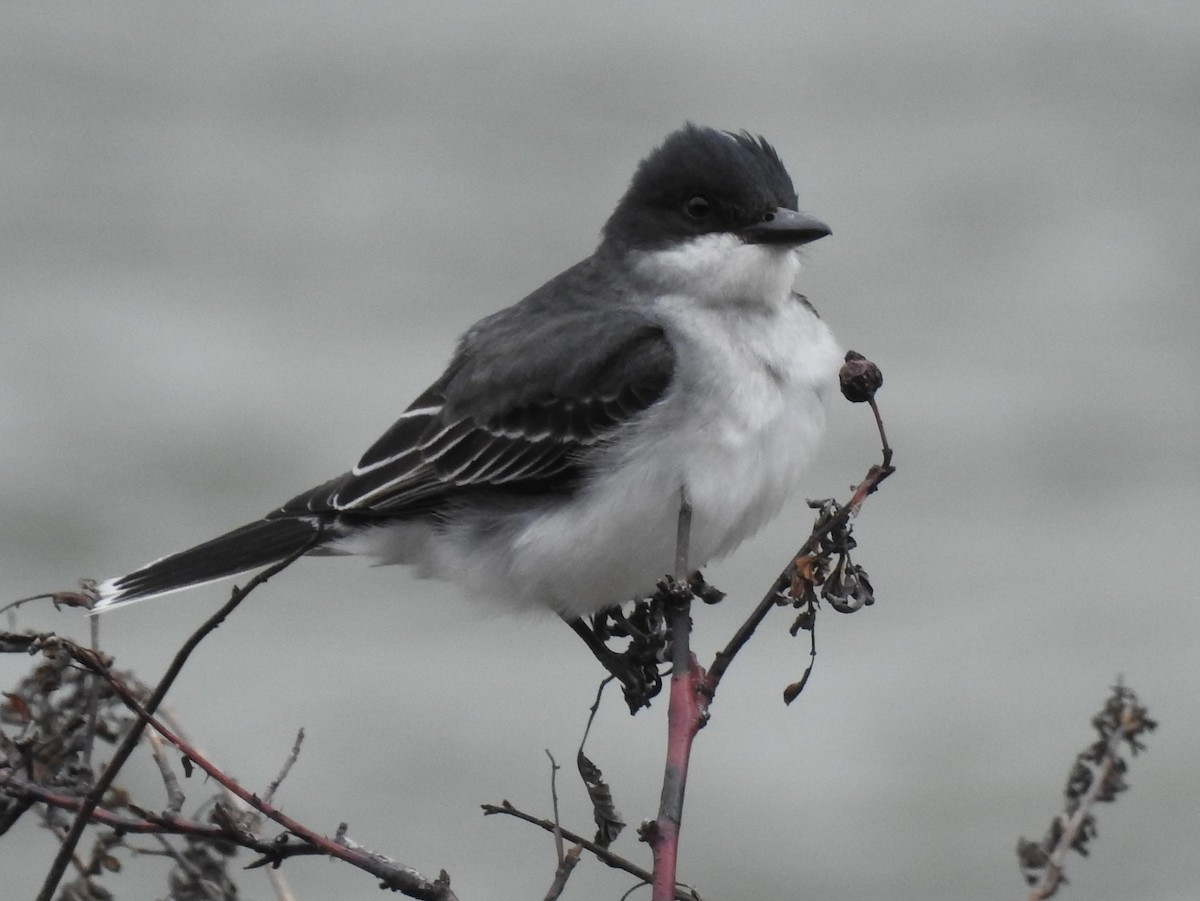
<point>721,270</point>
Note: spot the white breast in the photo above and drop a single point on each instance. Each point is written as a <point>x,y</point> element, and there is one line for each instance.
<point>751,414</point>
<point>741,421</point>
<point>744,417</point>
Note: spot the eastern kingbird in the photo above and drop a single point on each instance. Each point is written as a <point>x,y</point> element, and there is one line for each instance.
<point>545,467</point>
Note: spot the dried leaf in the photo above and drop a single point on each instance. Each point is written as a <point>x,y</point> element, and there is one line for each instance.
<point>608,821</point>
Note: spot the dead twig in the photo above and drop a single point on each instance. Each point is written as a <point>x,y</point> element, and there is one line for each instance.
<point>392,875</point>
<point>604,855</point>
<point>830,536</point>
<point>1097,776</point>
<point>269,794</point>
<point>59,865</point>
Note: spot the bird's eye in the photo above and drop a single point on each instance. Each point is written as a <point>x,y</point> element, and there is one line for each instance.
<point>698,207</point>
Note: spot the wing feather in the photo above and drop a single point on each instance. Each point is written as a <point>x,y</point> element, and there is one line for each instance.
<point>468,430</point>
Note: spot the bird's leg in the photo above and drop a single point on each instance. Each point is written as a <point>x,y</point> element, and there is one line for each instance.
<point>646,626</point>
<point>636,668</point>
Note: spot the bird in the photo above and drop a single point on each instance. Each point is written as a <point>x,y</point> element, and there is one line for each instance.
<point>545,468</point>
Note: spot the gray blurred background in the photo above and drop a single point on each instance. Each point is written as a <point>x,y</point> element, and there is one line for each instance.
<point>238,239</point>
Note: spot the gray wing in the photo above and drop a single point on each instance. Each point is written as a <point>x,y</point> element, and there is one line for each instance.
<point>521,401</point>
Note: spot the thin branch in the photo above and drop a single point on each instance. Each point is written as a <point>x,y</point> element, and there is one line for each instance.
<point>196,878</point>
<point>283,891</point>
<point>269,795</point>
<point>1052,874</point>
<point>250,817</point>
<point>604,855</point>
<point>567,860</point>
<point>393,875</point>
<point>13,605</point>
<point>887,448</point>
<point>59,866</point>
<point>1097,776</point>
<point>144,823</point>
<point>593,710</point>
<point>683,538</point>
<point>93,699</point>
<point>563,873</point>
<point>558,840</point>
<point>175,797</point>
<point>279,884</point>
<point>687,711</point>
<point>825,525</point>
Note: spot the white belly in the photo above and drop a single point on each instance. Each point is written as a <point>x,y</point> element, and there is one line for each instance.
<point>740,424</point>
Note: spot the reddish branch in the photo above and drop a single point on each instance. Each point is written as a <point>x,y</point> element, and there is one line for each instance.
<point>226,826</point>
<point>686,712</point>
<point>692,689</point>
<point>392,875</point>
<point>148,822</point>
<point>105,780</point>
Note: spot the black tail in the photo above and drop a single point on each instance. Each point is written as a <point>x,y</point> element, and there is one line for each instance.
<point>252,546</point>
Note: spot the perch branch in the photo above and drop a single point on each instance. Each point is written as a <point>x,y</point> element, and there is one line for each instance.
<point>687,711</point>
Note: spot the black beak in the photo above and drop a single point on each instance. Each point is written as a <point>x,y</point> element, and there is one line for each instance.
<point>784,226</point>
